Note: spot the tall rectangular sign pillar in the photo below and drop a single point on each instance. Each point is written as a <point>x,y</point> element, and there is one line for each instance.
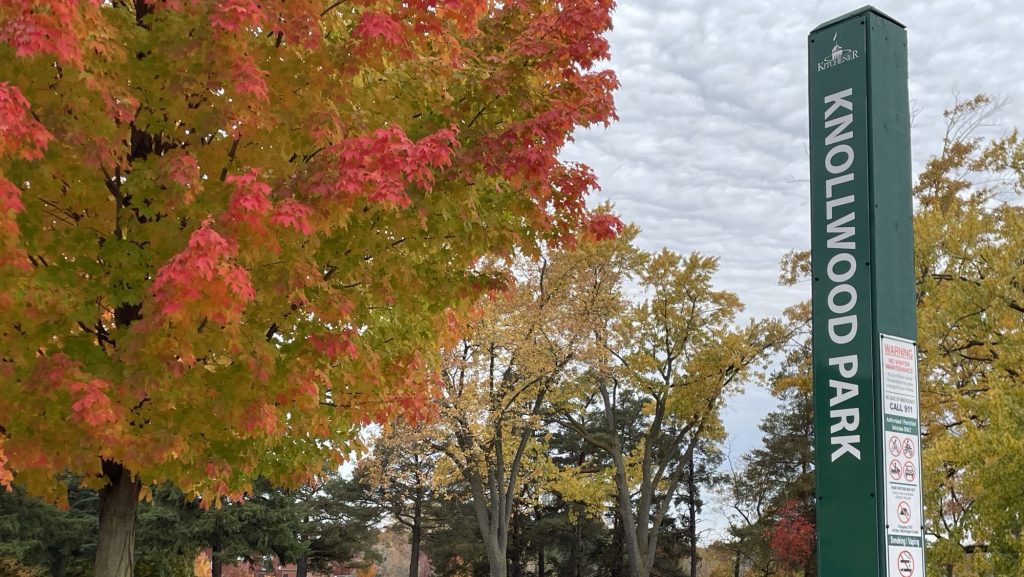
<point>864,328</point>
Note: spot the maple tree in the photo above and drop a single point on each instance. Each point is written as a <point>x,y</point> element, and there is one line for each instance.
<point>230,230</point>
<point>792,535</point>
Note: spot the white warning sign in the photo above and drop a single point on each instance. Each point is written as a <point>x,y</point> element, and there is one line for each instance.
<point>901,460</point>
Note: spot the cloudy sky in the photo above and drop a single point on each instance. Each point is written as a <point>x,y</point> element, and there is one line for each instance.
<point>710,154</point>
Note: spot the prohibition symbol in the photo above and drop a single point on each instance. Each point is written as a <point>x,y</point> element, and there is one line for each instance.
<point>895,470</point>
<point>909,472</point>
<point>903,512</point>
<point>905,563</point>
<point>908,448</point>
<point>894,446</point>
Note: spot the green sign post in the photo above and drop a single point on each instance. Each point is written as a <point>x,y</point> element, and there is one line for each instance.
<point>863,299</point>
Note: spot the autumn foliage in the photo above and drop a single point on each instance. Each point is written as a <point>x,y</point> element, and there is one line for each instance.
<point>233,231</point>
<point>792,537</point>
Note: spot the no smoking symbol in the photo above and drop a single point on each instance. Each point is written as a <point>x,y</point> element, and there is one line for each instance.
<point>903,512</point>
<point>905,563</point>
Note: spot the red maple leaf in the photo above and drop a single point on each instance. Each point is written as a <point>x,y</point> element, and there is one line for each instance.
<point>604,226</point>
<point>234,15</point>
<point>203,279</point>
<point>335,345</point>
<point>377,25</point>
<point>250,79</point>
<point>19,132</point>
<point>44,27</point>
<point>290,213</point>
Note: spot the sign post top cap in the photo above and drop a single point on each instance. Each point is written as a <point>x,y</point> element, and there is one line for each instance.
<point>858,12</point>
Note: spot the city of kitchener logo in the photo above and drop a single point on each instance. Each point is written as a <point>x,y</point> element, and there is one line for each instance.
<point>838,56</point>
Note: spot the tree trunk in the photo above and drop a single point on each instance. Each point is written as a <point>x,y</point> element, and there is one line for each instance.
<point>302,566</point>
<point>417,534</point>
<point>216,561</point>
<point>618,547</point>
<point>115,549</point>
<point>637,560</point>
<point>514,551</point>
<point>488,518</point>
<point>58,567</point>
<point>540,559</point>
<point>496,558</point>
<point>736,564</point>
<point>577,548</point>
<point>692,488</point>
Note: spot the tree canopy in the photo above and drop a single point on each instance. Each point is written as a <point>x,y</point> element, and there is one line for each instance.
<point>230,230</point>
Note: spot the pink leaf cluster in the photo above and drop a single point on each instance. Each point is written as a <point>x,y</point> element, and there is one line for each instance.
<point>203,280</point>
<point>262,417</point>
<point>45,27</point>
<point>24,136</point>
<point>19,132</point>
<point>251,207</point>
<point>573,33</point>
<point>250,200</point>
<point>93,405</point>
<point>232,15</point>
<point>377,25</point>
<point>10,204</point>
<point>380,165</point>
<point>465,13</point>
<point>335,345</point>
<point>290,213</point>
<point>250,79</point>
<point>182,169</point>
<point>298,21</point>
<point>120,108</point>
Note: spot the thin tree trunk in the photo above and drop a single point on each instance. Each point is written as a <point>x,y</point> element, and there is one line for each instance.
<point>540,558</point>
<point>515,549</point>
<point>216,561</point>
<point>637,558</point>
<point>59,565</point>
<point>302,566</point>
<point>577,548</point>
<point>692,488</point>
<point>115,549</point>
<point>618,548</point>
<point>417,534</point>
<point>736,564</point>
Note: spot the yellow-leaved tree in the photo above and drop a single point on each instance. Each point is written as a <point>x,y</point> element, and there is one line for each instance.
<point>969,230</point>
<point>652,398</point>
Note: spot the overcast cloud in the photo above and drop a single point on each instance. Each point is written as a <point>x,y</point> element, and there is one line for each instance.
<point>710,154</point>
